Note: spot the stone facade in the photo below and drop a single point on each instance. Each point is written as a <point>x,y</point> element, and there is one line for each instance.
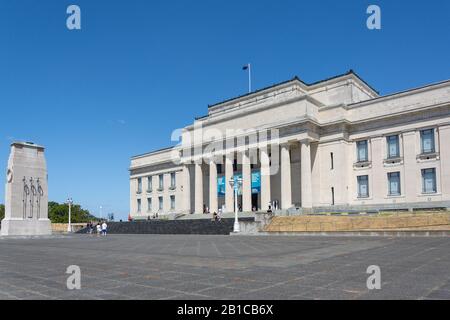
<point>326,146</point>
<point>26,205</point>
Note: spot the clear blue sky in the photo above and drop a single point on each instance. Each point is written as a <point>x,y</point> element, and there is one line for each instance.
<point>139,69</point>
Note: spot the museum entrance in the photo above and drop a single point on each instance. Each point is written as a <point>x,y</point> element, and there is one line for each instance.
<point>255,197</point>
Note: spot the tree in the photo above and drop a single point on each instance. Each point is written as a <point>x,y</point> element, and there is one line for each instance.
<point>59,213</point>
<point>2,211</point>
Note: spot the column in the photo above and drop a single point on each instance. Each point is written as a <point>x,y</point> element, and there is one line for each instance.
<point>265,179</point>
<point>246,183</point>
<point>186,191</point>
<point>229,196</point>
<point>306,180</point>
<point>198,187</point>
<point>286,191</point>
<point>213,186</point>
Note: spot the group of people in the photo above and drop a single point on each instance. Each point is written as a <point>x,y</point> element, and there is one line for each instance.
<point>101,228</point>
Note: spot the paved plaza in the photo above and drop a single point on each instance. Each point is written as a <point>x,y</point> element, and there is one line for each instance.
<point>224,267</point>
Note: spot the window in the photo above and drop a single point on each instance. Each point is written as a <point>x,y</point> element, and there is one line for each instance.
<point>363,186</point>
<point>362,151</point>
<point>139,186</point>
<point>332,196</point>
<point>393,148</point>
<point>139,205</point>
<point>149,204</point>
<point>161,182</point>
<point>219,168</point>
<point>172,202</point>
<point>149,184</point>
<point>429,180</point>
<point>161,203</point>
<point>332,160</point>
<point>427,140</point>
<point>394,183</point>
<point>172,180</point>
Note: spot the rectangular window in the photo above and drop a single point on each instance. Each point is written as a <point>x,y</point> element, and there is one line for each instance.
<point>393,146</point>
<point>332,160</point>
<point>161,203</point>
<point>161,182</point>
<point>362,150</point>
<point>394,183</point>
<point>139,205</point>
<point>332,196</point>
<point>172,202</point>
<point>429,180</point>
<point>219,168</point>
<point>172,180</point>
<point>363,186</point>
<point>139,185</point>
<point>149,184</point>
<point>427,140</point>
<point>149,204</point>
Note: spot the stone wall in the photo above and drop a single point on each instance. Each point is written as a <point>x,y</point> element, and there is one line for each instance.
<point>403,221</point>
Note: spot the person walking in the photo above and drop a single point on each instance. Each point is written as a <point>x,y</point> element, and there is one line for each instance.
<point>104,228</point>
<point>99,229</point>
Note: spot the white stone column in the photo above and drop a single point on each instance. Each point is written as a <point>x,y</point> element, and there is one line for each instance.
<point>229,196</point>
<point>198,187</point>
<point>246,183</point>
<point>286,190</point>
<point>306,177</point>
<point>265,179</point>
<point>213,186</point>
<point>186,191</point>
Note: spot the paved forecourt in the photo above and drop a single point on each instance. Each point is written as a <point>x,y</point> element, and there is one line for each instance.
<point>224,267</point>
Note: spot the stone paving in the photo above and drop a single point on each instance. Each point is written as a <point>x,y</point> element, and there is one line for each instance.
<point>224,267</point>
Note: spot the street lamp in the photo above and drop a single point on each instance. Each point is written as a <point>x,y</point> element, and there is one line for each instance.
<point>235,185</point>
<point>69,227</point>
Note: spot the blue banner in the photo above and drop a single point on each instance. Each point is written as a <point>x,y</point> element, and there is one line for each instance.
<point>256,183</point>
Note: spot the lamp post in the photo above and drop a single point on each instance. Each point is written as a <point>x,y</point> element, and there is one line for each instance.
<point>69,227</point>
<point>235,185</point>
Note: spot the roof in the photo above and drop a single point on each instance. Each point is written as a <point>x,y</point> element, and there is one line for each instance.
<point>152,152</point>
<point>296,78</point>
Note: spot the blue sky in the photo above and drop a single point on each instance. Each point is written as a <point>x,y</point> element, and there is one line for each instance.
<point>139,69</point>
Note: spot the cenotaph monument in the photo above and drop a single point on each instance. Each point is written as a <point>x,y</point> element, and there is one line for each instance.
<point>26,200</point>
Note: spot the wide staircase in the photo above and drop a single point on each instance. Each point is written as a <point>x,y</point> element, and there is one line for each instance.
<point>198,226</point>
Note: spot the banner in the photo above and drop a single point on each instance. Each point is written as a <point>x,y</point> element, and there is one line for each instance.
<point>256,183</point>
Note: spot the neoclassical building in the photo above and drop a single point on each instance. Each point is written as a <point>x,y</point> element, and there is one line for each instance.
<point>335,144</point>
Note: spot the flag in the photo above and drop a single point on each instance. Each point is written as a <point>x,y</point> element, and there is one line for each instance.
<point>245,67</point>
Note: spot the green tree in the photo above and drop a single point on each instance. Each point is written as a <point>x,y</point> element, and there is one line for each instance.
<point>59,213</point>
<point>2,211</point>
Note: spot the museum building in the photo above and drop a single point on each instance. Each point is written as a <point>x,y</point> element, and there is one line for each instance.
<point>332,145</point>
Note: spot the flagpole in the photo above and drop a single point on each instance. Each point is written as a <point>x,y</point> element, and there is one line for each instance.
<point>249,78</point>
